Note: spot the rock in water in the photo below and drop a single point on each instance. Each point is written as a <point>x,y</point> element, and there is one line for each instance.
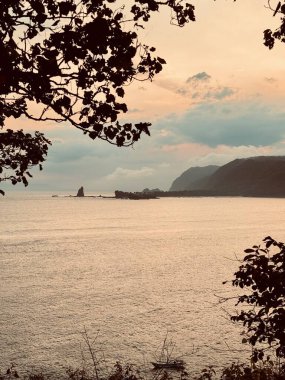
<point>80,192</point>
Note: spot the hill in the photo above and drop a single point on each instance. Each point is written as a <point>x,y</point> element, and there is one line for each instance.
<point>262,176</point>
<point>190,179</point>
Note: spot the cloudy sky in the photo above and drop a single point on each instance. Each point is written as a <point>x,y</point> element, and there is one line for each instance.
<point>220,97</point>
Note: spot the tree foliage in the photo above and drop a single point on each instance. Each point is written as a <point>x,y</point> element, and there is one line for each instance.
<point>270,36</point>
<point>262,278</point>
<point>19,152</point>
<point>73,58</point>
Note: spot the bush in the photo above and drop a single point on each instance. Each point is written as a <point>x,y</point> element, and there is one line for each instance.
<point>262,278</point>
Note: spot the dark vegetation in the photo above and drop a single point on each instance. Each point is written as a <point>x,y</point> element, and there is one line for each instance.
<point>19,152</point>
<point>164,194</point>
<point>136,195</point>
<point>236,371</point>
<point>261,277</point>
<point>72,59</point>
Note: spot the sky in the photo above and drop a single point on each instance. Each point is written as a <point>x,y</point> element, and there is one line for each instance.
<point>220,97</point>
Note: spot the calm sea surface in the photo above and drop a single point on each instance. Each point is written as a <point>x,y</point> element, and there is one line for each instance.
<point>131,270</point>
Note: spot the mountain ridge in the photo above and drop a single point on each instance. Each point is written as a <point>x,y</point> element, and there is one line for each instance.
<point>191,177</point>
<point>253,176</point>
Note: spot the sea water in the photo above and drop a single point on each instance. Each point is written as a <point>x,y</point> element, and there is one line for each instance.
<point>126,272</point>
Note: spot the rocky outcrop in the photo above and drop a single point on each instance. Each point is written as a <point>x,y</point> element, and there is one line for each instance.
<point>80,192</point>
<point>135,195</point>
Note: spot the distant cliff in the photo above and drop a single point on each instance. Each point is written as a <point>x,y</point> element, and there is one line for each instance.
<point>189,180</point>
<point>256,176</point>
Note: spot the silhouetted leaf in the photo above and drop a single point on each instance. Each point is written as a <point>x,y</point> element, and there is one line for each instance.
<point>249,250</point>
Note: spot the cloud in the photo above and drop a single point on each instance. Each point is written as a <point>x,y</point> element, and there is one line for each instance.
<point>182,91</point>
<point>70,145</point>
<point>199,88</point>
<point>200,77</point>
<point>271,80</point>
<point>121,173</point>
<point>226,123</point>
<point>219,93</point>
<point>223,154</point>
<point>165,133</point>
<point>208,94</point>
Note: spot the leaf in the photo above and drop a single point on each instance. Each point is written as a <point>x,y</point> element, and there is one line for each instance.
<point>161,60</point>
<point>93,135</point>
<point>56,23</point>
<point>25,182</point>
<point>277,8</point>
<point>120,92</point>
<point>65,102</point>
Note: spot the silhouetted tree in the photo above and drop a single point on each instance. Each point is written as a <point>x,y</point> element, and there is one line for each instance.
<point>278,34</point>
<point>73,58</point>
<point>262,277</point>
<point>19,152</point>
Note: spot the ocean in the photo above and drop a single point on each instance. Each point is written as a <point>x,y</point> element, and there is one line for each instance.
<point>126,272</point>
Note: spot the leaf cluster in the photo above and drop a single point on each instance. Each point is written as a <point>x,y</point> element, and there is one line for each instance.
<point>19,152</point>
<point>262,277</point>
<point>74,58</point>
<point>271,36</point>
<point>241,371</point>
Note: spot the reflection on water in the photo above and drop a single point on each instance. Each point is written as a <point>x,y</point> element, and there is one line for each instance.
<point>131,269</point>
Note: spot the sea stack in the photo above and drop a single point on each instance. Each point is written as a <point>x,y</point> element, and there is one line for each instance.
<point>80,192</point>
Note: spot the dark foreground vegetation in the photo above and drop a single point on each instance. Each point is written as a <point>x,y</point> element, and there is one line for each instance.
<point>236,371</point>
